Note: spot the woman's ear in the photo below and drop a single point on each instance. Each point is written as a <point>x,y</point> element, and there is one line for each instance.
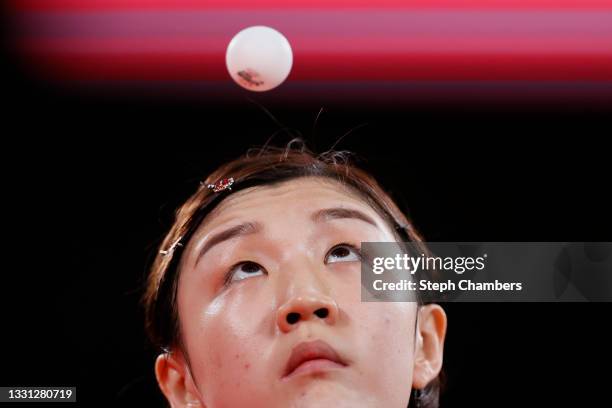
<point>431,330</point>
<point>174,379</point>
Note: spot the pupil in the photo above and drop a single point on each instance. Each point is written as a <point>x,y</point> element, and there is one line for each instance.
<point>250,267</point>
<point>342,251</point>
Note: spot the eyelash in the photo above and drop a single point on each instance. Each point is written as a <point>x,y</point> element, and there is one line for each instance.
<point>228,275</point>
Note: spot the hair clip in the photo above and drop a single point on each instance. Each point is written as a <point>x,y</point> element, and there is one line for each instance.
<point>169,251</point>
<point>221,185</point>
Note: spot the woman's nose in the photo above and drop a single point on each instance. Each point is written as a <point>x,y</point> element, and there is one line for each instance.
<point>299,309</point>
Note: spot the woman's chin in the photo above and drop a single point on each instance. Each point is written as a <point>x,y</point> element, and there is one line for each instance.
<point>324,393</point>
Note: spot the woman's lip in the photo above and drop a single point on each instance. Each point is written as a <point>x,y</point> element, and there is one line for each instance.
<point>314,366</point>
<point>311,357</point>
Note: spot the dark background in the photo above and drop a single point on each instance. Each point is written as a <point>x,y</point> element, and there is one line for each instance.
<point>91,180</point>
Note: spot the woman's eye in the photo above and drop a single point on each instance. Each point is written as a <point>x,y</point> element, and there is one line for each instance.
<point>244,270</point>
<point>343,253</point>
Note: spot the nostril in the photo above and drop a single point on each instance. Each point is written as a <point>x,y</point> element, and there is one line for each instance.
<point>322,312</point>
<point>293,318</point>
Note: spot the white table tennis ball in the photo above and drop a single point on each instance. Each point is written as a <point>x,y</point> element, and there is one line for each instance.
<point>259,58</point>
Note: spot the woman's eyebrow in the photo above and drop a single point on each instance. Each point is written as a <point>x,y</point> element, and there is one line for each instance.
<point>248,228</point>
<point>335,213</point>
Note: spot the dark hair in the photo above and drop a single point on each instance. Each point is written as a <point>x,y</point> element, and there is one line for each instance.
<point>259,167</point>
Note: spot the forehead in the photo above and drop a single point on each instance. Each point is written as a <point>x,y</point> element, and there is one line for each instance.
<point>289,199</point>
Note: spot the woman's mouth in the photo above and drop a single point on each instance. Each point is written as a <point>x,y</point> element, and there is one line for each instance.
<point>312,357</point>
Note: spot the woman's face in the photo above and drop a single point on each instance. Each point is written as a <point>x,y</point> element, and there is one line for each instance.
<point>270,309</point>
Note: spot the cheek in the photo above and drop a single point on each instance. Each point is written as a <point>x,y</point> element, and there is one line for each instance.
<point>383,334</point>
<point>225,340</point>
<point>386,325</point>
<point>386,339</point>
